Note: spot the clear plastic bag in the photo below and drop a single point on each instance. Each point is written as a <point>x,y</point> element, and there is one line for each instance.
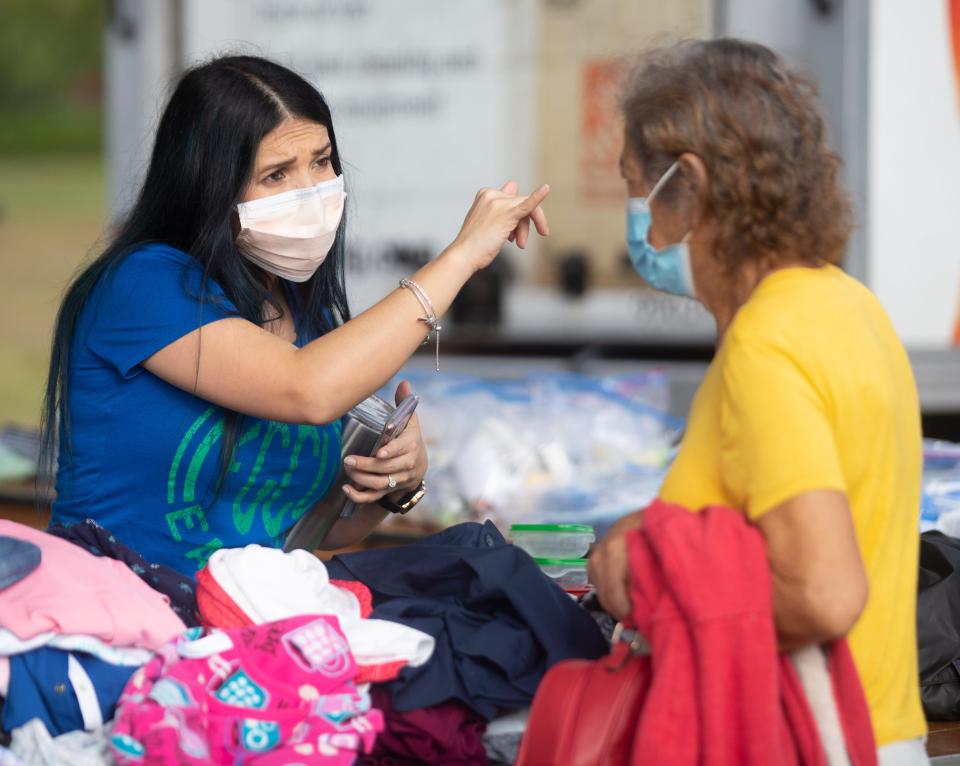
<point>549,447</point>
<point>940,502</point>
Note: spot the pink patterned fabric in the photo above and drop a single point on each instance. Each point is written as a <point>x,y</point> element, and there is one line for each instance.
<point>271,694</point>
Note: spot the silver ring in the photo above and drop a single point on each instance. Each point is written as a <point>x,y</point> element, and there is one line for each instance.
<point>391,482</point>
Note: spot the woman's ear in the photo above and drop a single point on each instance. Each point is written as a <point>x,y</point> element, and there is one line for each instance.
<point>695,175</point>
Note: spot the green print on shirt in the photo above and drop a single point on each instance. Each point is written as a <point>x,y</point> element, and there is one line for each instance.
<point>271,489</point>
<point>257,492</point>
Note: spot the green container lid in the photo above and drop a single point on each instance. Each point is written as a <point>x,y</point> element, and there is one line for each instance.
<point>569,563</point>
<point>578,528</point>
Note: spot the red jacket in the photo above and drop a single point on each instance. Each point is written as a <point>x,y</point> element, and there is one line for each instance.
<point>714,690</point>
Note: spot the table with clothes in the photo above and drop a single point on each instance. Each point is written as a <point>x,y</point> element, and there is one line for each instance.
<point>427,653</point>
<point>388,656</point>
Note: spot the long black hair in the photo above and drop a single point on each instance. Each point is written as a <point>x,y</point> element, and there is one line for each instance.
<point>202,160</point>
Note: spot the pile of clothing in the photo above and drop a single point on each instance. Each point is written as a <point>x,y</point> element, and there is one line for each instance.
<point>452,631</point>
<point>388,656</point>
<point>74,627</point>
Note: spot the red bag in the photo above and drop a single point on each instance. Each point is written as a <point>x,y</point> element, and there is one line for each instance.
<point>585,712</point>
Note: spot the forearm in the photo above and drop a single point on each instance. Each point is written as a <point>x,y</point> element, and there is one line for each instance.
<point>346,532</point>
<point>347,365</point>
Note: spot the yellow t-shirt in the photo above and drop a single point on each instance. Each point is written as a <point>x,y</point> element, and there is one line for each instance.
<point>811,389</point>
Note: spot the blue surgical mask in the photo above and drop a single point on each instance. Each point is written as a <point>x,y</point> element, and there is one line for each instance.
<point>667,269</point>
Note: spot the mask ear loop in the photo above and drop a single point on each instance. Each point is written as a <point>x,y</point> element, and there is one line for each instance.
<point>667,175</point>
<point>663,180</point>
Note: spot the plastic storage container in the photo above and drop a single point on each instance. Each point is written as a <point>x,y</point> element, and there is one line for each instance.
<point>553,541</point>
<point>569,574</point>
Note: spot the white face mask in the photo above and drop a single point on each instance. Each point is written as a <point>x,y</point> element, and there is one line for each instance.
<point>290,234</point>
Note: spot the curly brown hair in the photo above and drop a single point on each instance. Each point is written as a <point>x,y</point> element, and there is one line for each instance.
<point>773,189</point>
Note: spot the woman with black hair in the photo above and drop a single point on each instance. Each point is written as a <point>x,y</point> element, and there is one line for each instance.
<point>201,365</point>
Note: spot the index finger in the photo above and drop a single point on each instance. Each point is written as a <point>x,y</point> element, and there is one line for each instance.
<point>532,202</point>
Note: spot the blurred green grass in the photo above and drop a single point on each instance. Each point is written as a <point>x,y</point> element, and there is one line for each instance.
<point>51,217</point>
<point>51,178</point>
<point>50,129</point>
<point>50,186</point>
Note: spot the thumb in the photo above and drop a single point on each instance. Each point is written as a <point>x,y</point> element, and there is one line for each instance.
<point>510,187</point>
<point>403,391</point>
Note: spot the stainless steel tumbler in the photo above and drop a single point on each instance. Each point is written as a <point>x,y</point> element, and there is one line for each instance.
<point>362,432</point>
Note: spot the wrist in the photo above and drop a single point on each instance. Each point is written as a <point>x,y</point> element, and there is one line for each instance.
<point>407,500</point>
<point>401,493</point>
<point>461,256</point>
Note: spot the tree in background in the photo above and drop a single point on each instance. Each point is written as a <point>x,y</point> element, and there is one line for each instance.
<point>51,54</point>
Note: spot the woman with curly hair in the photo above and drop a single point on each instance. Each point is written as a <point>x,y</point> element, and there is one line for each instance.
<point>808,418</point>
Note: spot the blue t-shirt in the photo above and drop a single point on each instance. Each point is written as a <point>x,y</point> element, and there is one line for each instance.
<point>144,457</point>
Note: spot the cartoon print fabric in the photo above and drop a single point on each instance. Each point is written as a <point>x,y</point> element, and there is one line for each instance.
<point>278,693</point>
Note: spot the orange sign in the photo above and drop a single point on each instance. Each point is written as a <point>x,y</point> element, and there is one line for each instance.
<point>953,8</point>
<point>601,128</point>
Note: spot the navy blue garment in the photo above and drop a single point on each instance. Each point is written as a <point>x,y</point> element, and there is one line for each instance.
<point>144,455</point>
<point>180,589</point>
<point>41,687</point>
<point>499,622</point>
<point>18,558</point>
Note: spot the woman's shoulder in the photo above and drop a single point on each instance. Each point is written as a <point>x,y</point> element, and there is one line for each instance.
<point>815,319</point>
<point>157,268</point>
<point>798,302</point>
<point>149,298</point>
<point>156,256</point>
<point>156,279</point>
